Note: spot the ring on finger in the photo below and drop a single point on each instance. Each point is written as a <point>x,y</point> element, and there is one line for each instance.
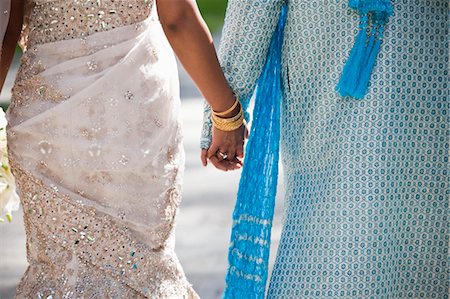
<point>224,156</point>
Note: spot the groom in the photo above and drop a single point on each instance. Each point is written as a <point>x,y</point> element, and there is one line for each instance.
<point>364,192</point>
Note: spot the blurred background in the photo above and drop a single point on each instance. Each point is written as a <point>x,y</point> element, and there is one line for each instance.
<point>213,11</point>
<point>204,222</point>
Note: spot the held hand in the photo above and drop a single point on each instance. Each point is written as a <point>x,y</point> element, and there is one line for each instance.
<point>227,149</point>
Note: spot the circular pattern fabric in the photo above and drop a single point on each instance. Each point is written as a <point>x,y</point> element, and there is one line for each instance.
<point>366,181</point>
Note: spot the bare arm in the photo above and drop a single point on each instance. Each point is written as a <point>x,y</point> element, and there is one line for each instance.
<point>11,37</point>
<point>192,43</point>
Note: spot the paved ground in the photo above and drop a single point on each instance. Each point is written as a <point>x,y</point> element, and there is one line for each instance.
<point>204,221</point>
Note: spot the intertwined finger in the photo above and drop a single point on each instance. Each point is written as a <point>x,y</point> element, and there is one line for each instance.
<point>223,153</point>
<point>230,163</point>
<point>212,151</point>
<point>231,153</point>
<point>218,164</point>
<point>240,151</point>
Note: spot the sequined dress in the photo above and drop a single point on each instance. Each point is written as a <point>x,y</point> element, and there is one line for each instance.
<point>95,144</point>
<point>366,181</point>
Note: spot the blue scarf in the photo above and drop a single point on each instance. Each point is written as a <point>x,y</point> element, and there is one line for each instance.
<point>248,254</point>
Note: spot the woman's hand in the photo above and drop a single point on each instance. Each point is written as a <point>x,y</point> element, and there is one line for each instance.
<point>190,39</point>
<point>227,149</point>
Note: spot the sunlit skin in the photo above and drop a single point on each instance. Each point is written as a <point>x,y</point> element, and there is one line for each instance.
<point>192,42</point>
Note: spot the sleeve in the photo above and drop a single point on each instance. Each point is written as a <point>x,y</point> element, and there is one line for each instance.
<point>248,28</point>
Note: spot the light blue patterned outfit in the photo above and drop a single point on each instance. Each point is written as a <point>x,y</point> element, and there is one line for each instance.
<point>366,180</point>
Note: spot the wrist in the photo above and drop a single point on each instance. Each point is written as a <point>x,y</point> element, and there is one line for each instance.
<point>233,112</point>
<point>228,120</point>
<point>223,102</point>
<point>228,110</point>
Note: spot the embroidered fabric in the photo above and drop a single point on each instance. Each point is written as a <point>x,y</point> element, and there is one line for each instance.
<point>77,251</point>
<point>53,20</point>
<point>94,137</point>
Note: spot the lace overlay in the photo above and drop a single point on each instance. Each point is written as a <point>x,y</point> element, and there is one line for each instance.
<point>95,143</point>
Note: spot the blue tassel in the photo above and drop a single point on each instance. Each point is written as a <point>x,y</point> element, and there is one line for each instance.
<point>369,46</point>
<point>367,69</point>
<point>357,71</point>
<point>248,255</point>
<point>349,78</point>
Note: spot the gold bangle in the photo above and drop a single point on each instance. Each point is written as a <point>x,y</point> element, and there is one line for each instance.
<point>236,102</point>
<point>227,120</point>
<point>228,124</point>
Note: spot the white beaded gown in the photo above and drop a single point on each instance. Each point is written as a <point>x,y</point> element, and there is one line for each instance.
<point>95,143</point>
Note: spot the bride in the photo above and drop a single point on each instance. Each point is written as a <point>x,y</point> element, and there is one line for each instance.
<point>95,141</point>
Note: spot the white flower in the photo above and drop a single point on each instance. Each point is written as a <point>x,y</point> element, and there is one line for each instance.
<point>9,200</point>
